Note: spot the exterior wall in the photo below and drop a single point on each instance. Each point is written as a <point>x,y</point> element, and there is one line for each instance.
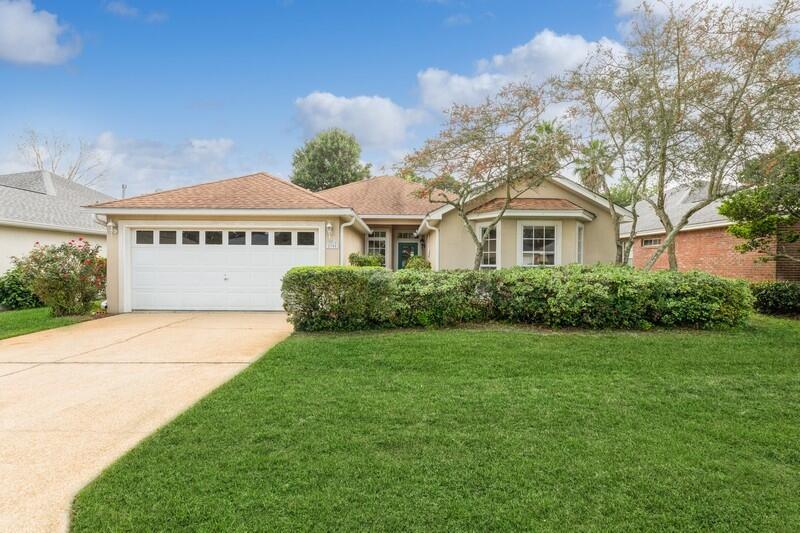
<point>17,241</point>
<point>353,242</point>
<point>353,237</point>
<point>711,250</point>
<point>458,249</point>
<point>786,269</point>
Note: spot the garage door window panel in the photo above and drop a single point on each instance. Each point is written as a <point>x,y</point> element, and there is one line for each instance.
<point>167,237</point>
<point>190,237</point>
<point>144,237</point>
<point>237,238</point>
<point>306,238</point>
<point>259,238</point>
<point>283,238</point>
<point>213,237</point>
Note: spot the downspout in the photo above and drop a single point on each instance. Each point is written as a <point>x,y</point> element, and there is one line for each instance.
<point>341,238</point>
<point>435,230</point>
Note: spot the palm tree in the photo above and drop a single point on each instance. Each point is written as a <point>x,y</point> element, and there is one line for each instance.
<point>594,164</point>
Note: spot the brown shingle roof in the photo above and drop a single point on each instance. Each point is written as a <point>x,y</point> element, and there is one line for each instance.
<point>254,191</point>
<point>496,204</point>
<point>381,195</point>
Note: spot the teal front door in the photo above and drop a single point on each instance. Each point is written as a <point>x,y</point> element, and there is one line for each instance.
<point>404,251</point>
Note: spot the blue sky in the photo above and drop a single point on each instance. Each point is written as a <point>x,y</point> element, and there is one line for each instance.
<point>170,93</point>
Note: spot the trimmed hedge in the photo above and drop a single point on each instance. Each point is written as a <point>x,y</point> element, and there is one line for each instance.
<point>777,297</point>
<point>348,298</point>
<point>364,260</point>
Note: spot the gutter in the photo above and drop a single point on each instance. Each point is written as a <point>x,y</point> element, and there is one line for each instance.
<point>352,221</point>
<point>435,230</point>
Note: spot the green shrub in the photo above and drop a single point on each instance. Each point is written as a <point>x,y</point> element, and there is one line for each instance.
<point>363,260</point>
<point>417,262</point>
<point>15,291</point>
<point>67,277</point>
<point>427,298</point>
<point>777,297</point>
<point>337,298</point>
<point>345,298</point>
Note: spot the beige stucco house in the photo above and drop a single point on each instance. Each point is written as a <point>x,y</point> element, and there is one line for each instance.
<point>40,206</point>
<point>225,245</point>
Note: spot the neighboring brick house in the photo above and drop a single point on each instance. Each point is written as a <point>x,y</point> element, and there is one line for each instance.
<point>703,244</point>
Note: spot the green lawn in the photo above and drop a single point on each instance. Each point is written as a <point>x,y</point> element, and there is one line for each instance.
<point>480,429</point>
<point>13,323</point>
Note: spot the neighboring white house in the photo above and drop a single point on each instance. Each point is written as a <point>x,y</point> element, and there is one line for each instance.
<point>40,206</point>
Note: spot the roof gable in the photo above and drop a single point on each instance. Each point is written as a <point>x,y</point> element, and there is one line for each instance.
<point>254,191</point>
<point>381,195</point>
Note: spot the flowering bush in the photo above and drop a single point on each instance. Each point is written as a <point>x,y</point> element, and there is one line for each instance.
<point>15,292</point>
<point>67,277</point>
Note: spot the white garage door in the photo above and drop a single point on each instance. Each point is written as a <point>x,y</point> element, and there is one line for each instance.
<point>213,269</point>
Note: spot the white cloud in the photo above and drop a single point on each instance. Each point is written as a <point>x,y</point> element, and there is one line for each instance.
<point>376,121</point>
<point>545,55</point>
<point>32,36</point>
<point>459,19</point>
<point>146,165</point>
<point>122,9</point>
<point>125,10</point>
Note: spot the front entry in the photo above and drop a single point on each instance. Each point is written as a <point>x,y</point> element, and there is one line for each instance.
<point>405,250</point>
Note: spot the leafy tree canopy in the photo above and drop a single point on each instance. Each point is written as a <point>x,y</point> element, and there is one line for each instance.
<point>330,159</point>
<point>766,215</point>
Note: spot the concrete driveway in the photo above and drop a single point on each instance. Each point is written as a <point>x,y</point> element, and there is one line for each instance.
<point>74,399</point>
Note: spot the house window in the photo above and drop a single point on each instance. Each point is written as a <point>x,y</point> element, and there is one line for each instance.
<point>579,240</point>
<point>376,245</point>
<point>539,244</point>
<point>144,237</point>
<point>651,243</point>
<point>406,235</point>
<point>489,256</point>
<point>283,238</point>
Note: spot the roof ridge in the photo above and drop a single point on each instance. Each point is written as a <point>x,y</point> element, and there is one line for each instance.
<point>312,193</point>
<point>357,182</point>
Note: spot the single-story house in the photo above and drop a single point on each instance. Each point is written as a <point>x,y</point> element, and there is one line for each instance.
<point>225,245</point>
<point>703,244</point>
<point>40,206</point>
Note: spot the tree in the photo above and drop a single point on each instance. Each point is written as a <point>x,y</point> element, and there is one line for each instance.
<point>330,159</point>
<point>594,164</point>
<point>767,215</point>
<point>503,143</point>
<point>701,89</point>
<point>54,153</point>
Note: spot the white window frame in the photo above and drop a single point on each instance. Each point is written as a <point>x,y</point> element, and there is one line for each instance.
<point>557,260</point>
<point>385,240</point>
<point>497,249</point>
<point>580,238</point>
<point>656,245</point>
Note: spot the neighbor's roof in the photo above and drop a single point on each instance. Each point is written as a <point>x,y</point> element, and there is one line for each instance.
<point>41,198</point>
<point>254,191</point>
<point>381,195</point>
<point>533,204</point>
<point>678,201</point>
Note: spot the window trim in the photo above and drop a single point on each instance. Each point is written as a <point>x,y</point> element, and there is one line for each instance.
<point>557,259</point>
<point>386,242</point>
<point>580,244</point>
<point>656,239</point>
<point>497,245</point>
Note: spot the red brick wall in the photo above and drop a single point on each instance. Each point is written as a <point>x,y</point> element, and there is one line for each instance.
<point>786,268</point>
<point>711,250</point>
